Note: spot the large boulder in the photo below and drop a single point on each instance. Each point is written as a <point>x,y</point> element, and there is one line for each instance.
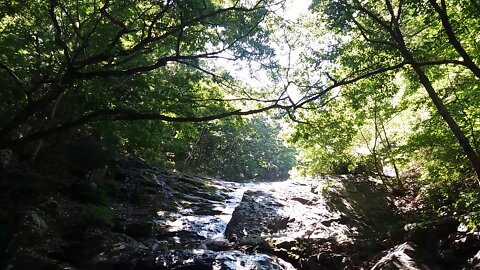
<point>401,257</point>
<point>257,214</point>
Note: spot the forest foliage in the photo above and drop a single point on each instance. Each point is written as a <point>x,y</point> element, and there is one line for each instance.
<point>406,108</point>
<point>86,70</point>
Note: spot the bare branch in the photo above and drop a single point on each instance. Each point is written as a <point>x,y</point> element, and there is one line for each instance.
<point>58,32</point>
<point>452,38</point>
<point>348,81</point>
<point>364,31</point>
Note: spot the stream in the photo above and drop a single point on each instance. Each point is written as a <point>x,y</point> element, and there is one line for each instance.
<point>161,220</point>
<point>212,224</point>
<point>201,224</point>
<point>253,225</point>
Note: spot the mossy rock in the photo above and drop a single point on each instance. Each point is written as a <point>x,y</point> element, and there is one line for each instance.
<point>100,216</point>
<point>86,154</point>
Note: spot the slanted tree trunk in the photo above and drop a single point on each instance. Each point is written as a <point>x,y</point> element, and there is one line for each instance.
<point>452,124</point>
<point>439,105</point>
<point>452,39</point>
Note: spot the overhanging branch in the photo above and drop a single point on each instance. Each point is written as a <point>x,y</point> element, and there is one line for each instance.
<point>130,115</point>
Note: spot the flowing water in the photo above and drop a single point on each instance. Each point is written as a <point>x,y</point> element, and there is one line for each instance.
<point>208,218</point>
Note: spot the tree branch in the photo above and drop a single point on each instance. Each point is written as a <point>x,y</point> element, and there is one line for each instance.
<point>442,12</point>
<point>12,74</point>
<point>348,81</point>
<point>129,115</point>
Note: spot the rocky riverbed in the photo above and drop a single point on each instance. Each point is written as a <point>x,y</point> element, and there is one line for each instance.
<point>142,217</point>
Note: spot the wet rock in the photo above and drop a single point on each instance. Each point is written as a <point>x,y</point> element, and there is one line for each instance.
<point>404,256</point>
<point>218,245</point>
<point>140,229</point>
<point>33,219</point>
<point>5,158</point>
<point>279,223</point>
<point>326,262</point>
<point>225,260</point>
<point>51,206</point>
<point>474,262</point>
<point>165,220</point>
<point>28,259</point>
<point>113,251</point>
<point>256,214</point>
<point>180,239</point>
<point>32,228</point>
<point>302,200</point>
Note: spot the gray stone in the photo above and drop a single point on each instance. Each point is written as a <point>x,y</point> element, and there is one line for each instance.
<point>5,158</point>
<point>401,257</point>
<point>474,262</point>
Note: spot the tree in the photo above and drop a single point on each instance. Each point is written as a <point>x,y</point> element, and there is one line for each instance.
<point>375,37</point>
<point>64,64</point>
<point>240,149</point>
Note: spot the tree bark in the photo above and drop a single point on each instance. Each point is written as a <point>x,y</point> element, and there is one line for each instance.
<point>445,114</point>
<point>472,156</point>
<point>468,60</point>
<point>442,110</point>
<point>23,115</point>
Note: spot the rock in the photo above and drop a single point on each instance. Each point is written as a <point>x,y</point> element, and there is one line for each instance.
<point>51,206</point>
<point>170,221</point>
<point>218,245</point>
<point>5,158</point>
<point>279,223</point>
<point>114,251</point>
<point>226,260</point>
<point>27,259</point>
<point>37,221</point>
<point>326,262</point>
<point>301,200</point>
<point>32,228</point>
<point>401,257</point>
<point>140,229</point>
<point>257,213</point>
<point>180,239</point>
<point>474,262</point>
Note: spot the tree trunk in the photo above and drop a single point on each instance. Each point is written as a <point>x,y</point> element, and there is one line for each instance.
<point>437,101</point>
<point>442,110</point>
<point>442,13</point>
<point>24,114</point>
<point>392,159</point>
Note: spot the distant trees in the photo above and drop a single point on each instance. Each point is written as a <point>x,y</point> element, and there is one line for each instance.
<point>240,150</point>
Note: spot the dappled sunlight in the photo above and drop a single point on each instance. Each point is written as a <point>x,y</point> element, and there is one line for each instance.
<point>306,211</point>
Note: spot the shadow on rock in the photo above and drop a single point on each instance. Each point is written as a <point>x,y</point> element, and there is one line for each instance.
<point>362,204</point>
<point>255,216</point>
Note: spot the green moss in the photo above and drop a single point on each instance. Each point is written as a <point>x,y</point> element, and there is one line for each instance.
<point>100,216</point>
<point>85,191</point>
<point>87,154</point>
